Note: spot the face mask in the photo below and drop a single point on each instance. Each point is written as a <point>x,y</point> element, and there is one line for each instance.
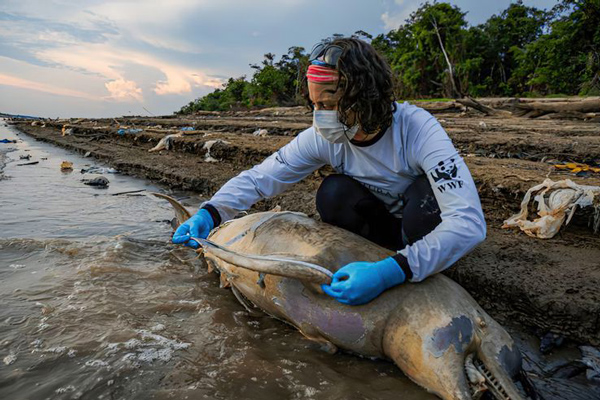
<point>328,125</point>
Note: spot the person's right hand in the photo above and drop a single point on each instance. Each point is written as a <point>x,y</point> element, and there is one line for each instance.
<point>198,226</point>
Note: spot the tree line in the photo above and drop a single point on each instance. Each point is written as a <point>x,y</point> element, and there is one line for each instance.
<point>523,51</point>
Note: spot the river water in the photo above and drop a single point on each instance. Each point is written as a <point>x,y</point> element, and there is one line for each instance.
<point>97,304</point>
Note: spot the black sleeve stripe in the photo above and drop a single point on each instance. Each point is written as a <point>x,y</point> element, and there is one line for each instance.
<point>214,214</point>
<point>403,263</point>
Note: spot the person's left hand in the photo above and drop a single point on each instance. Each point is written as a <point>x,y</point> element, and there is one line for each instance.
<point>360,282</point>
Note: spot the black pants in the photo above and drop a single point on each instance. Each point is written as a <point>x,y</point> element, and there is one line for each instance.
<point>344,202</point>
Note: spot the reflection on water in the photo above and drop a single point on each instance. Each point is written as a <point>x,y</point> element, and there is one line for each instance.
<point>96,303</point>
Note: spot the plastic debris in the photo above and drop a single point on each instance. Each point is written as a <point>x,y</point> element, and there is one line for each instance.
<point>66,166</point>
<point>99,170</point>
<point>557,202</point>
<point>187,128</point>
<point>66,130</point>
<point>591,358</point>
<point>10,359</point>
<point>577,168</point>
<point>25,157</point>
<point>165,143</point>
<point>260,132</point>
<point>7,141</point>
<point>207,146</point>
<point>87,154</point>
<point>131,130</point>
<point>100,182</point>
<point>551,341</point>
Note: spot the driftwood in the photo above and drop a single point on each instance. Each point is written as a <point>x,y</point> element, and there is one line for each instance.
<point>470,102</point>
<point>588,109</point>
<point>576,109</point>
<point>446,107</point>
<point>569,115</point>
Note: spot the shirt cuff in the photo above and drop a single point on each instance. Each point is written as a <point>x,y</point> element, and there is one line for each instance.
<point>403,263</point>
<point>214,213</point>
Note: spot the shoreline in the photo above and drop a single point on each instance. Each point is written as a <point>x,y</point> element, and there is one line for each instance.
<point>545,285</point>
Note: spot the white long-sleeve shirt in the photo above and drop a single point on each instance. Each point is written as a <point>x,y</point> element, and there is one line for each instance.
<point>413,145</point>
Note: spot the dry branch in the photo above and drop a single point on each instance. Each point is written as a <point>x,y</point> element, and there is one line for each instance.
<point>470,102</point>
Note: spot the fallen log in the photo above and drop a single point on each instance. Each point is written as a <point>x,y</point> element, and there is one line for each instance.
<point>582,106</point>
<point>470,102</point>
<point>568,115</point>
<point>436,107</point>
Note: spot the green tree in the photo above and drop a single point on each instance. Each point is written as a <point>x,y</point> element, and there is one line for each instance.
<point>507,35</point>
<point>424,51</point>
<point>273,83</point>
<point>435,53</point>
<point>567,59</point>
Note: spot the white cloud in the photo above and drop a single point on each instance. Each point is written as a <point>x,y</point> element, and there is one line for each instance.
<point>100,41</point>
<point>155,22</point>
<point>109,61</point>
<point>43,87</point>
<point>160,52</point>
<point>402,10</point>
<point>122,90</point>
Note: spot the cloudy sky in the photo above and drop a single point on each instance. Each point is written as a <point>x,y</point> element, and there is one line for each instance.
<point>94,58</point>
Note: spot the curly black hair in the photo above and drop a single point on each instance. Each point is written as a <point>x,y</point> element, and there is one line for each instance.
<point>366,85</point>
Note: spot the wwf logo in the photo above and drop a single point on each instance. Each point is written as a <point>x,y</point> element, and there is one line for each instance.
<point>446,170</point>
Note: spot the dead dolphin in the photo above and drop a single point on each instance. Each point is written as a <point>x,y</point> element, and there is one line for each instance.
<point>434,330</point>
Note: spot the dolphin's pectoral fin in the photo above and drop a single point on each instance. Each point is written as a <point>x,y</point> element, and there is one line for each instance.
<point>312,334</point>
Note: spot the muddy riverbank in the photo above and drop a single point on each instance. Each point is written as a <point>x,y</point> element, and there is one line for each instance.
<point>549,286</point>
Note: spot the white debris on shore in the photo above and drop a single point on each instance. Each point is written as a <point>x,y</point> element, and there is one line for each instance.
<point>165,143</point>
<point>208,145</point>
<point>260,132</point>
<point>10,359</point>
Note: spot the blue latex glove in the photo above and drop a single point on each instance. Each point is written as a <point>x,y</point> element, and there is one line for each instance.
<point>360,282</point>
<point>198,226</point>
